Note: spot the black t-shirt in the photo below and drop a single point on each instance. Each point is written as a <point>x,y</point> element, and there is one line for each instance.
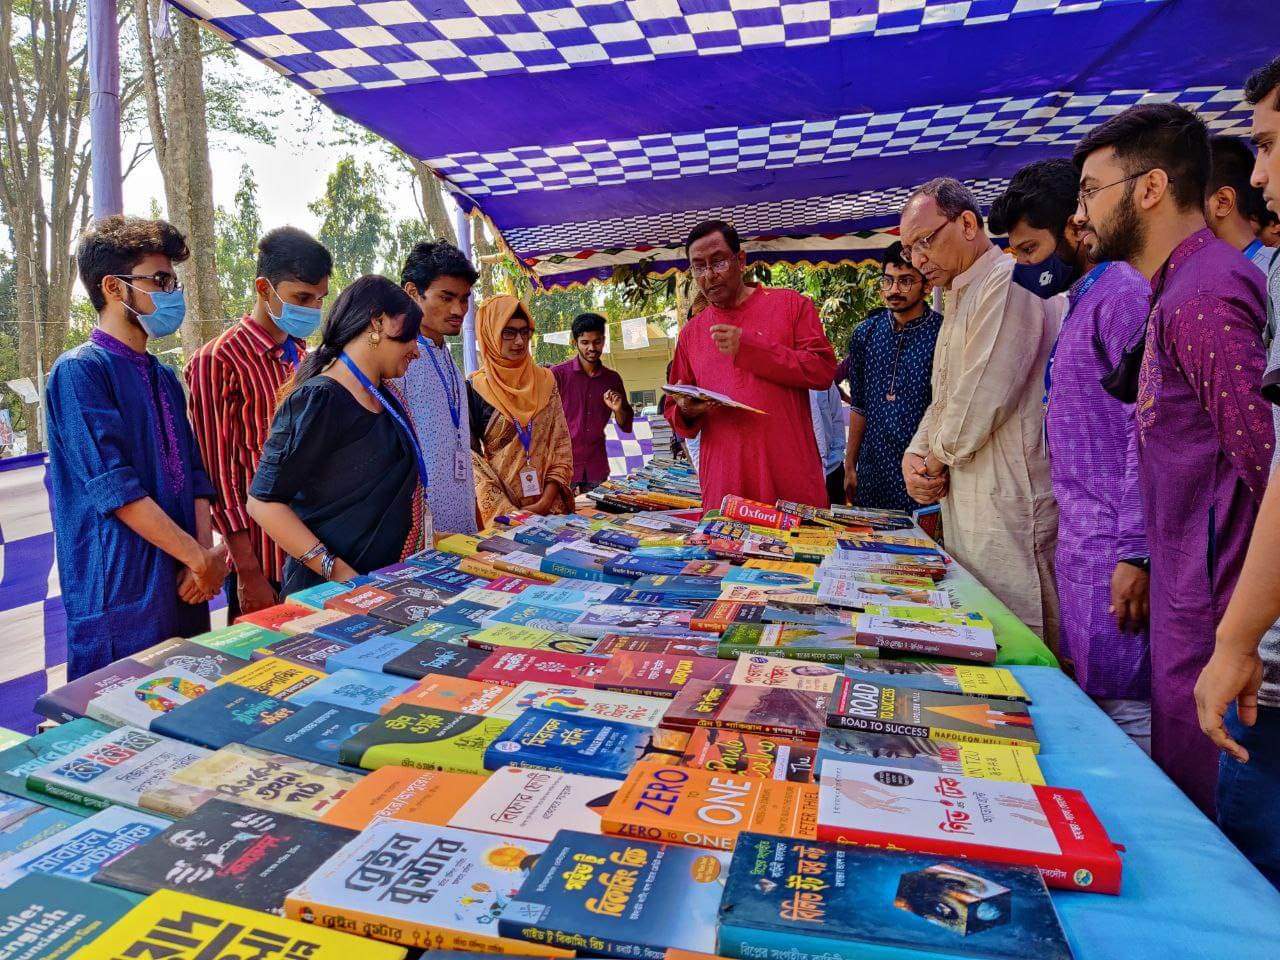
<point>349,474</point>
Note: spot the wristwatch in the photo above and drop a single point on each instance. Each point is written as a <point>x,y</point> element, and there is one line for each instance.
<point>1142,563</point>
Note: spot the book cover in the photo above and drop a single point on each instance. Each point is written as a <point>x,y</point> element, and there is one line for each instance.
<point>632,567</point>
<point>274,618</point>
<point>305,649</point>
<point>193,657</point>
<point>353,629</point>
<point>265,781</point>
<point>973,643</point>
<point>581,596</point>
<point>820,644</point>
<point>444,632</point>
<point>756,577</point>
<point>956,615</point>
<point>315,597</point>
<point>437,691</point>
<point>531,637</point>
<point>706,587</point>
<point>421,885</point>
<point>624,618</point>
<point>758,670</point>
<point>230,853</point>
<point>1050,828</point>
<point>238,639</point>
<point>423,739</point>
<point>987,761</point>
<point>44,917</point>
<point>522,614</point>
<point>225,714</point>
<point>308,623</point>
<point>995,682</point>
<point>888,543</point>
<point>354,689</point>
<point>778,710</point>
<point>708,808</point>
<point>451,579</point>
<point>511,667</point>
<point>716,616</point>
<point>580,566</point>
<point>514,584</point>
<point>168,922</point>
<point>652,598</point>
<point>83,849</point>
<point>28,823</point>
<point>810,615</point>
<point>819,901</point>
<point>20,760</point>
<point>655,674</point>
<point>405,611</point>
<point>117,768</point>
<point>436,656</point>
<point>402,793</point>
<point>612,643</point>
<point>314,733</point>
<point>372,654</point>
<point>853,563</point>
<point>71,700</point>
<point>807,571</point>
<point>581,701</point>
<point>275,677</point>
<point>361,601</point>
<point>847,591</point>
<point>568,743</point>
<point>613,897</point>
<point>535,804</point>
<point>140,701</point>
<point>750,755</point>
<point>464,613</point>
<point>756,513</point>
<point>879,707</point>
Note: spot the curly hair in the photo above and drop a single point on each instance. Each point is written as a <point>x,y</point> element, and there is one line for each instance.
<point>114,245</point>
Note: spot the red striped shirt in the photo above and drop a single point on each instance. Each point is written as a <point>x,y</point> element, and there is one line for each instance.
<point>233,383</point>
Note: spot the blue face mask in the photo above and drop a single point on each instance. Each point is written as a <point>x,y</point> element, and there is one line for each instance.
<point>296,321</point>
<point>1049,277</point>
<point>170,309</point>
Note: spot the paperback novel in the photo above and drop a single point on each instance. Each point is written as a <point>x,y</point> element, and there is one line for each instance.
<point>354,689</point>
<point>20,760</point>
<point>424,739</point>
<point>193,657</point>
<point>437,691</point>
<point>305,649</point>
<point>568,743</point>
<point>313,733</point>
<point>528,635</point>
<point>353,629</point>
<point>535,804</point>
<point>916,637</point>
<point>275,677</point>
<point>71,700</point>
<point>226,714</point>
<point>402,793</point>
<point>848,591</point>
<point>274,618</point>
<point>435,656</point>
<point>238,639</point>
<point>512,667</point>
<point>140,701</point>
<point>988,761</point>
<point>612,643</point>
<point>759,670</point>
<point>82,850</point>
<point>654,674</point>
<point>994,682</point>
<point>820,644</point>
<point>750,755</point>
<point>775,710</point>
<point>630,708</point>
<point>372,654</point>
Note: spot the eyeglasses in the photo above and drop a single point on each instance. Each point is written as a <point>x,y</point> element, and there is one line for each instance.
<point>906,282</point>
<point>718,265</point>
<point>511,334</point>
<point>924,243</point>
<point>1084,196</point>
<point>164,281</point>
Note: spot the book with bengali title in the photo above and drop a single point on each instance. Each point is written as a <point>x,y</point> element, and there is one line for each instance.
<point>315,597</point>
<point>820,644</point>
<point>823,901</point>
<point>581,701</point>
<point>168,921</point>
<point>404,793</point>
<point>224,714</point>
<point>975,681</point>
<point>624,618</point>
<point>568,743</point>
<point>193,657</point>
<point>880,707</point>
<point>534,633</point>
<point>18,761</point>
<point>421,886</point>
<point>372,654</point>
<point>458,694</point>
<point>427,630</point>
<point>353,629</point>
<point>853,563</point>
<point>610,896</point>
<point>308,623</point>
<point>1050,828</point>
<point>750,755</point>
<point>275,677</point>
<point>44,917</point>
<point>424,739</point>
<point>655,674</point>
<point>405,611</point>
<point>305,649</point>
<point>238,639</point>
<point>360,600</point>
<point>25,823</point>
<point>716,616</point>
<point>435,656</point>
<point>777,710</point>
<point>612,643</point>
<point>138,702</point>
<point>511,667</point>
<point>355,689</point>
<point>274,618</point>
<point>536,804</point>
<point>71,700</point>
<point>314,733</point>
<point>988,761</point>
<point>83,849</point>
<point>903,634</point>
<point>849,591</point>
<point>759,670</point>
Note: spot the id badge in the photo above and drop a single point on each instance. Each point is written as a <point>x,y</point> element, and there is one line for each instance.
<point>428,526</point>
<point>461,460</point>
<point>529,485</point>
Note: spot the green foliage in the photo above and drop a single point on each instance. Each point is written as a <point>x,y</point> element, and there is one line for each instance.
<point>400,240</point>
<point>238,231</point>
<point>353,223</point>
<point>844,295</point>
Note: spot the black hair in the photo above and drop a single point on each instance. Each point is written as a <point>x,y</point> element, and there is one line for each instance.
<point>114,245</point>
<point>287,253</point>
<point>350,316</point>
<point>587,323</point>
<point>708,227</point>
<point>430,259</point>
<point>893,256</point>
<point>1231,165</point>
<point>951,196</point>
<point>1153,136</point>
<point>1044,194</point>
<point>1264,81</point>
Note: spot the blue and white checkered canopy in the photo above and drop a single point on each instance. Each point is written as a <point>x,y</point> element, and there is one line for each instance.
<point>595,133</point>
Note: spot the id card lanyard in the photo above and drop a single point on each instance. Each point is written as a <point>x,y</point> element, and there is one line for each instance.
<point>449,383</point>
<point>529,484</point>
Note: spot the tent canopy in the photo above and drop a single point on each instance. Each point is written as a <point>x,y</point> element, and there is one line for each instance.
<point>595,133</point>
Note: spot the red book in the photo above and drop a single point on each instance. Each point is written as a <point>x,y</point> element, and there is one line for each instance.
<point>273,618</point>
<point>757,514</point>
<point>511,667</point>
<point>773,710</point>
<point>360,600</point>
<point>513,584</point>
<point>656,674</point>
<point>1051,828</point>
<point>717,616</point>
<point>612,643</point>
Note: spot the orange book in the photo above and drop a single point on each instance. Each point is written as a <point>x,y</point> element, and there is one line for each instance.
<point>706,808</point>
<point>479,568</point>
<point>436,691</point>
<point>402,793</point>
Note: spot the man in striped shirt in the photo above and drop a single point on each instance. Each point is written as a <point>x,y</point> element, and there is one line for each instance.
<point>233,383</point>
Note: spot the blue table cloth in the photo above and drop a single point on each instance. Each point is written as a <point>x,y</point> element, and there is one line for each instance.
<point>1187,892</point>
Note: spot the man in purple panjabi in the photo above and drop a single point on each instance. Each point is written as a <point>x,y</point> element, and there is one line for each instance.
<point>1102,560</point>
<point>1204,433</point>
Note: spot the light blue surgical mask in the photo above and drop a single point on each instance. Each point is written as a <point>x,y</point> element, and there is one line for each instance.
<point>296,321</point>
<point>169,310</point>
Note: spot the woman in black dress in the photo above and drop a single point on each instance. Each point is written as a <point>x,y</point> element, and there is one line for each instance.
<point>338,486</point>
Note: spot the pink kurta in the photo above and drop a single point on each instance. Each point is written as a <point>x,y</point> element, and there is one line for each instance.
<point>783,355</point>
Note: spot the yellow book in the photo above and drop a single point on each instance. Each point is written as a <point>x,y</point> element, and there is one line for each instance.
<point>527,638</point>
<point>956,616</point>
<point>987,761</point>
<point>274,677</point>
<point>182,927</point>
<point>461,544</point>
<point>479,568</point>
<point>807,570</point>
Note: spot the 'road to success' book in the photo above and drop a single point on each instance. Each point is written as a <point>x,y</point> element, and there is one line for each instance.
<point>1050,828</point>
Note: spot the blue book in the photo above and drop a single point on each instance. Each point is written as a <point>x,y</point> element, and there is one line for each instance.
<point>785,900</point>
<point>314,733</point>
<point>315,597</point>
<point>444,632</point>
<point>368,655</point>
<point>651,598</point>
<point>357,689</point>
<point>614,897</point>
<point>54,917</point>
<point>228,713</point>
<point>615,538</point>
<point>431,559</point>
<point>771,578</point>
<point>36,827</point>
<point>355,628</point>
<point>568,743</point>
<point>817,616</point>
<point>42,749</point>
<point>465,613</point>
<point>534,534</point>
<point>435,656</point>
<point>582,566</point>
<point>708,588</point>
<point>673,553</point>
<point>79,851</point>
<point>532,615</point>
<point>634,567</point>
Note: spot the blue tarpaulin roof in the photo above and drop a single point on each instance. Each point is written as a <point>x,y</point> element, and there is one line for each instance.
<point>594,133</point>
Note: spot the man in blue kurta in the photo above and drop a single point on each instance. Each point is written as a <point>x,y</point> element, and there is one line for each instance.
<point>130,495</point>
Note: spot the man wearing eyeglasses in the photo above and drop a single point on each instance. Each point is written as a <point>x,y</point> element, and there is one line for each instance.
<point>979,450</point>
<point>130,495</point>
<point>1205,437</point>
<point>761,346</point>
<point>890,359</point>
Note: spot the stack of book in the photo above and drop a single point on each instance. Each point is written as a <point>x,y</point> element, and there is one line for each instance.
<point>766,732</point>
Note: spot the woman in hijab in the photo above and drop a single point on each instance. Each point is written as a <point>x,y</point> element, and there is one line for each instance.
<point>523,456</point>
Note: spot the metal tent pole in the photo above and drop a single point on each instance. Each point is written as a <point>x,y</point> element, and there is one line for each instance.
<point>104,108</point>
<point>462,227</point>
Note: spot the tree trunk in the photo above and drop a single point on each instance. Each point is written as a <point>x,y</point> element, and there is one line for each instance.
<point>482,255</point>
<point>431,199</point>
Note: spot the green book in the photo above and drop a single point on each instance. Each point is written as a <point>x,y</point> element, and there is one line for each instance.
<point>425,739</point>
<point>17,762</point>
<point>823,644</point>
<point>239,639</point>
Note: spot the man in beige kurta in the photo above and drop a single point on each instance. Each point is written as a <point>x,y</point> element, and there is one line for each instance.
<point>980,448</point>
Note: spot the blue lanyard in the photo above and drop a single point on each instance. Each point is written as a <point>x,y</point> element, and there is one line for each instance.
<point>525,434</point>
<point>1251,250</point>
<point>1074,297</point>
<point>289,350</point>
<point>452,392</point>
<point>399,420</point>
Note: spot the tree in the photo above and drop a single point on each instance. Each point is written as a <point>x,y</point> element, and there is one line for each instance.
<point>399,242</point>
<point>238,231</point>
<point>353,222</point>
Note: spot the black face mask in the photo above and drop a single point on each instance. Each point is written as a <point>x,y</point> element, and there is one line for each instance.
<point>1045,279</point>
